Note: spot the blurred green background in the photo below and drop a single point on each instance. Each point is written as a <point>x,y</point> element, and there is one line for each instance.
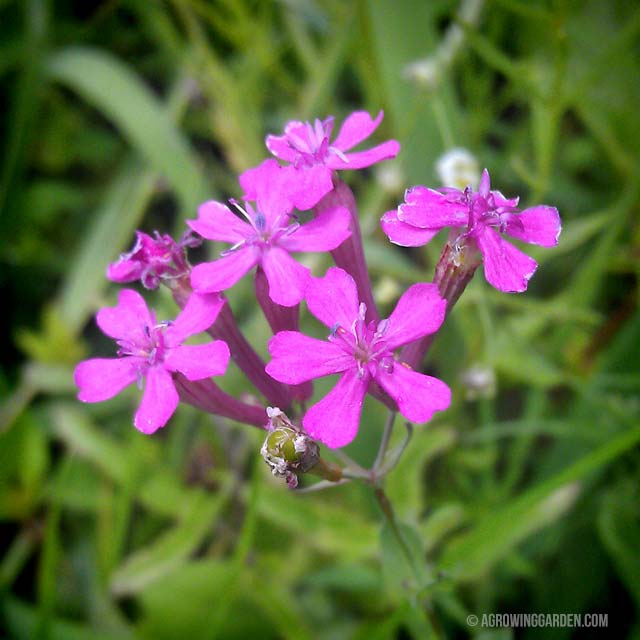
<point>126,114</point>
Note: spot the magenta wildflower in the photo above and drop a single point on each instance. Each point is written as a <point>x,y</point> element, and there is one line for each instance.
<point>151,351</point>
<point>266,237</point>
<point>362,353</point>
<point>152,259</point>
<point>308,148</point>
<point>482,217</point>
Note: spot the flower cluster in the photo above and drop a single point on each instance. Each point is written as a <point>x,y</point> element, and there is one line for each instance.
<point>263,230</point>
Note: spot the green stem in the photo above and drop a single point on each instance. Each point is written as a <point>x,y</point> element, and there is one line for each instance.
<point>387,510</point>
<point>384,443</point>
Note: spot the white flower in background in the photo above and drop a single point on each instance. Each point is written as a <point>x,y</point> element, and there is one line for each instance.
<point>458,168</point>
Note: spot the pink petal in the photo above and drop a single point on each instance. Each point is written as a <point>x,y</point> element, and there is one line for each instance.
<point>403,234</point>
<point>356,128</point>
<point>485,183</point>
<point>419,312</point>
<point>217,222</point>
<point>127,319</point>
<point>125,271</point>
<point>200,361</point>
<point>418,396</point>
<point>324,233</point>
<point>102,378</point>
<point>537,225</point>
<point>159,401</point>
<point>280,148</point>
<point>198,315</point>
<point>431,209</point>
<point>335,419</point>
<point>362,159</point>
<point>249,180</point>
<point>297,358</point>
<point>505,267</point>
<point>308,185</point>
<point>333,299</point>
<point>223,273</point>
<point>267,184</point>
<point>287,278</point>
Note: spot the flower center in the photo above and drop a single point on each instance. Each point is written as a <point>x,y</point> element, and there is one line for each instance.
<point>366,342</point>
<point>148,346</point>
<point>264,235</point>
<point>311,143</point>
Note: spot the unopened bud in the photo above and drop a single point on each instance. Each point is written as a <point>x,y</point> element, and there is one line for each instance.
<point>287,450</point>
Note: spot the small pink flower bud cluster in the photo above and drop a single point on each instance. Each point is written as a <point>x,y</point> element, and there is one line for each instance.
<point>263,231</point>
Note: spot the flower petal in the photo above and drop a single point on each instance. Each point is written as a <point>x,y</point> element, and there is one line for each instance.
<point>308,185</point>
<point>199,361</point>
<point>361,159</point>
<point>217,222</point>
<point>223,273</point>
<point>333,299</point>
<point>335,419</point>
<point>102,378</point>
<point>159,401</point>
<point>268,185</point>
<point>505,267</point>
<point>287,278</point>
<point>537,225</point>
<point>125,270</point>
<point>404,234</point>
<point>297,358</point>
<point>127,319</point>
<point>324,233</point>
<point>279,146</point>
<point>419,312</point>
<point>198,315</point>
<point>356,128</point>
<point>431,209</point>
<point>418,396</point>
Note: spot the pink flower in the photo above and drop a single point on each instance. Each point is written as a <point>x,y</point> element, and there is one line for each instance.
<point>482,216</point>
<point>152,259</point>
<point>266,237</point>
<point>308,148</point>
<point>361,353</point>
<point>150,352</point>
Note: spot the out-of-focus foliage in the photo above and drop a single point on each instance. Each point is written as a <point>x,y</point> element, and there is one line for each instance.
<point>123,114</point>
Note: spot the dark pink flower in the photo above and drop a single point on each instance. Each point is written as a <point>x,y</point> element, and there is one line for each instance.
<point>309,149</point>
<point>152,259</point>
<point>266,236</point>
<point>361,353</point>
<point>149,353</point>
<point>481,217</point>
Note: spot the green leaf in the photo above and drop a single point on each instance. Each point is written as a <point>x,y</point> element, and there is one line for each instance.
<point>619,530</point>
<point>498,533</point>
<point>110,230</point>
<point>163,556</point>
<point>21,622</point>
<point>119,94</point>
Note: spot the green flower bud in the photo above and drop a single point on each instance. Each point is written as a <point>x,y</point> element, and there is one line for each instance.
<point>287,450</point>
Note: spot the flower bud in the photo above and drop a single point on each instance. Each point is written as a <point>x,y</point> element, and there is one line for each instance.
<point>286,449</point>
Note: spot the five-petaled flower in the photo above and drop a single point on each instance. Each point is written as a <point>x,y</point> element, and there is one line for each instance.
<point>265,238</point>
<point>152,259</point>
<point>481,217</point>
<point>361,353</point>
<point>314,157</point>
<point>151,352</point>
